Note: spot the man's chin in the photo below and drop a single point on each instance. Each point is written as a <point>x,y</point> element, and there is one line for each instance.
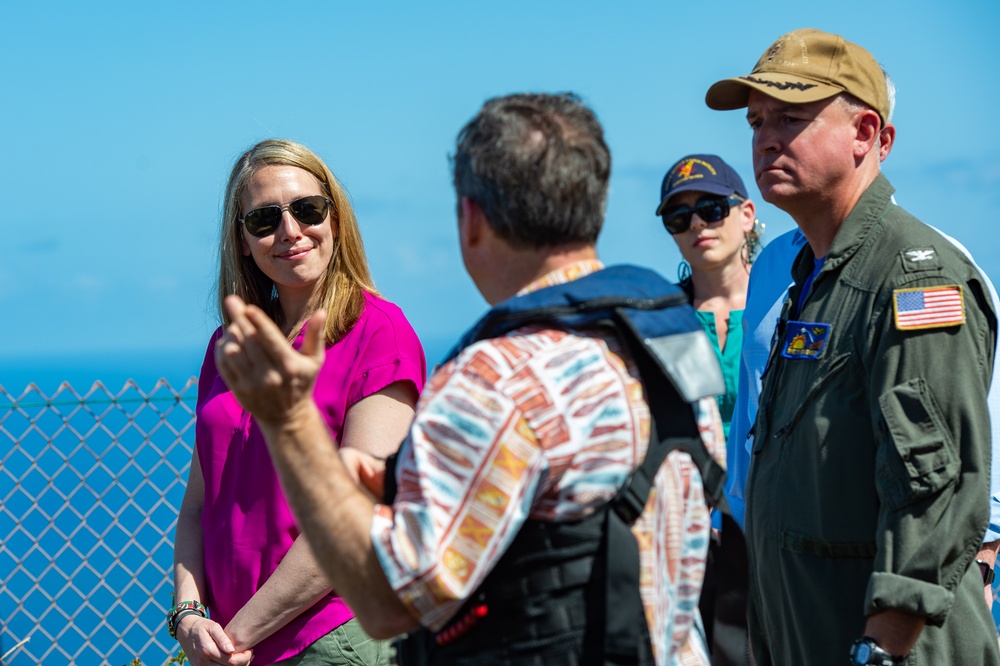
<point>776,193</point>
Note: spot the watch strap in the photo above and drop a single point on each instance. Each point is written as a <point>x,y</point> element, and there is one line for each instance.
<point>987,571</point>
<point>866,652</point>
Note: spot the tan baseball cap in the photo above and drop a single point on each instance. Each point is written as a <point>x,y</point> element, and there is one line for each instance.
<point>806,66</point>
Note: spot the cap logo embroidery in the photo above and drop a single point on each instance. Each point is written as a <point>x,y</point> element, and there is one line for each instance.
<point>787,85</point>
<point>685,171</point>
<point>805,51</point>
<point>775,48</point>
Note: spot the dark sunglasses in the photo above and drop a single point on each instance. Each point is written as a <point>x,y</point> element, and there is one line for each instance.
<point>310,210</point>
<point>677,219</point>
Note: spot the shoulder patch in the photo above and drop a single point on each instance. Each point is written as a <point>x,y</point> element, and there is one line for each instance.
<point>920,259</point>
<point>928,307</point>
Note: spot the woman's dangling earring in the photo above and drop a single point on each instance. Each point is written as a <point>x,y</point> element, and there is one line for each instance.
<point>752,245</point>
<point>683,271</point>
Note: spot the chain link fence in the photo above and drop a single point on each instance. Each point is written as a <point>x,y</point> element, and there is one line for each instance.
<point>90,485</point>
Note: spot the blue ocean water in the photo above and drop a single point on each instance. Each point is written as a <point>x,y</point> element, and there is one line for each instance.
<point>145,368</point>
<point>113,370</point>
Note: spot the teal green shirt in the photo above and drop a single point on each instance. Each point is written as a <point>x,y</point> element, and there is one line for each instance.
<point>729,359</point>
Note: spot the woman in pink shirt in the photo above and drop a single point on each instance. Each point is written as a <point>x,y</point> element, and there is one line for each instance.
<point>290,245</point>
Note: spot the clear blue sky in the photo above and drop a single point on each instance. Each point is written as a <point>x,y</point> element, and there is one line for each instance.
<point>120,122</point>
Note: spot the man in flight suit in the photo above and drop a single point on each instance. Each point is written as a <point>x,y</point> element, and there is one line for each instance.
<point>867,497</point>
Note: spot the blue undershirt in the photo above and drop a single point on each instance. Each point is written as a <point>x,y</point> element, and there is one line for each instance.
<point>817,267</point>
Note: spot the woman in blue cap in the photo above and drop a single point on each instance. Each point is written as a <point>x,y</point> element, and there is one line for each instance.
<point>705,208</point>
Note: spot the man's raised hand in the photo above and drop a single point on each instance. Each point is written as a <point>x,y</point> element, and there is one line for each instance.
<point>270,379</point>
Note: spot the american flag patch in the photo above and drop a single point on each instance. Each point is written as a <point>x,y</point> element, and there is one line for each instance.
<point>931,307</point>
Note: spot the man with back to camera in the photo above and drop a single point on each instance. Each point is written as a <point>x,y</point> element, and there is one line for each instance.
<point>497,544</point>
<point>873,406</point>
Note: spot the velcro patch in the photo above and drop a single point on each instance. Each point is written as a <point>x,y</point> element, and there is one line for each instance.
<point>805,339</point>
<point>928,307</point>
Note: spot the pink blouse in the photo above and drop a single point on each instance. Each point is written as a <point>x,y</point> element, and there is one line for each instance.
<point>247,524</point>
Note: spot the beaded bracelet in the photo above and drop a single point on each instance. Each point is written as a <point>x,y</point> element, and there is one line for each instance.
<point>182,609</point>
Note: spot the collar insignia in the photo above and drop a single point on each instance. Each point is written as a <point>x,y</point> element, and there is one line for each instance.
<point>920,255</point>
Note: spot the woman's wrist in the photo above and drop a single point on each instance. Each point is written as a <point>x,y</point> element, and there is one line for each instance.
<point>180,623</point>
<point>181,610</point>
<point>238,630</point>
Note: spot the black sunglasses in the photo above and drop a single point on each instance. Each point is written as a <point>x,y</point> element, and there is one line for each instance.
<point>677,219</point>
<point>310,210</point>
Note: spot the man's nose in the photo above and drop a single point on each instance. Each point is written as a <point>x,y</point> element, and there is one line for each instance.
<point>765,138</point>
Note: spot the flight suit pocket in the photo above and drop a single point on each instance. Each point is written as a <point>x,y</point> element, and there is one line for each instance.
<point>830,374</point>
<point>923,454</point>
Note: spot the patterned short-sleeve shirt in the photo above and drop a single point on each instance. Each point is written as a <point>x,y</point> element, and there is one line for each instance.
<point>545,425</point>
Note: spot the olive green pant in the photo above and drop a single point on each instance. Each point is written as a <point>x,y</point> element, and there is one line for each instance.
<point>347,645</point>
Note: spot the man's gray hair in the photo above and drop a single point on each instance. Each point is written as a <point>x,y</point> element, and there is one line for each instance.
<point>891,89</point>
<point>538,166</point>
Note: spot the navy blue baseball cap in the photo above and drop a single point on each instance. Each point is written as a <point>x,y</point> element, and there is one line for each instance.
<point>701,173</point>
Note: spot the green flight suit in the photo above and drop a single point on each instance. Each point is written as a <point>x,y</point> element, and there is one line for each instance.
<point>869,477</point>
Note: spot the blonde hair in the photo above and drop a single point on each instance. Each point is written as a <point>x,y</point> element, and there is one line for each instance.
<point>342,290</point>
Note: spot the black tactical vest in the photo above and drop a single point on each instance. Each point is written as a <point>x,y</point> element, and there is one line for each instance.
<point>568,593</point>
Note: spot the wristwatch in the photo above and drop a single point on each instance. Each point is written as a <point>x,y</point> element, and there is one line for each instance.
<point>866,652</point>
<point>988,574</point>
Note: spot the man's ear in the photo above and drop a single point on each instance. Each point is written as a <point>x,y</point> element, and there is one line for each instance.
<point>868,125</point>
<point>886,139</point>
<point>471,221</point>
